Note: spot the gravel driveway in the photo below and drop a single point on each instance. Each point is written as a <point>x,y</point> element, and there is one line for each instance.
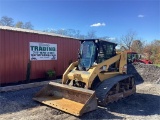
<point>145,104</point>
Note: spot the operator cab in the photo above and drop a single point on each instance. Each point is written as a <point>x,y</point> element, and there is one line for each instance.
<point>132,57</point>
<point>94,51</point>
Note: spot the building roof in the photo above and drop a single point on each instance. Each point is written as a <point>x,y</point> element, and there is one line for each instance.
<point>34,31</point>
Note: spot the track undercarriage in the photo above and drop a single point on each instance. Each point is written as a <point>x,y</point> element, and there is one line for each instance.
<point>115,88</point>
<point>111,90</point>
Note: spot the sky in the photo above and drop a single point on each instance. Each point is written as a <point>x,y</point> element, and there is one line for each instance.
<point>112,18</point>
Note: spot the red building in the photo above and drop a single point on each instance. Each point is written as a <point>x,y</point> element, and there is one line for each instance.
<point>15,54</point>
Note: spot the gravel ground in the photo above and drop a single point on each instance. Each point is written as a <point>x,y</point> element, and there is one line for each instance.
<point>145,72</point>
<point>145,104</point>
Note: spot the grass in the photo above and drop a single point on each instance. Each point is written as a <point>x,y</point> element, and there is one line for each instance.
<point>157,65</point>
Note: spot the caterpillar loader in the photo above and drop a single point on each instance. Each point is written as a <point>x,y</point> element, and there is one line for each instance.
<point>97,78</point>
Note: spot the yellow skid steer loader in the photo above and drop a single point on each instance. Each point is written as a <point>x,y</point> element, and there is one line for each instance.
<point>97,78</point>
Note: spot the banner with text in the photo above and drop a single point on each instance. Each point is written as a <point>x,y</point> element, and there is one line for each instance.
<point>43,51</point>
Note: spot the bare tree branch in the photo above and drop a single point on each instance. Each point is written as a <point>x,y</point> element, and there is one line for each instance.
<point>6,21</point>
<point>128,39</point>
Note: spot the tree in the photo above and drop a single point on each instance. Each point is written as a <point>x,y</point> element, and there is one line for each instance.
<point>105,38</point>
<point>147,51</point>
<point>70,32</point>
<point>61,32</point>
<point>28,25</point>
<point>128,39</point>
<point>152,51</point>
<point>91,34</point>
<point>6,21</point>
<point>19,24</point>
<point>67,32</point>
<point>137,46</point>
<point>77,34</point>
<point>156,51</point>
<point>81,36</point>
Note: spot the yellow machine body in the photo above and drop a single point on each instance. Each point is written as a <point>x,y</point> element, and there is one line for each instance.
<point>88,76</point>
<point>75,100</point>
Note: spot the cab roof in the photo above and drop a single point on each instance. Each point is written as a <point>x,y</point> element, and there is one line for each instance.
<point>98,40</point>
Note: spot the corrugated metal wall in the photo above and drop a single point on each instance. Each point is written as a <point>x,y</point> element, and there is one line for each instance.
<point>14,52</point>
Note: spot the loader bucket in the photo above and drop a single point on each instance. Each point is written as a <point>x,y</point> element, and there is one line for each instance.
<point>70,99</point>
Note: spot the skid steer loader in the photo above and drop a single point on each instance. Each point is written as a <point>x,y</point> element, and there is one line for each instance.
<point>97,78</point>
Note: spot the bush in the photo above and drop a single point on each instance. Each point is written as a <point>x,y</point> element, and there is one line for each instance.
<point>50,74</point>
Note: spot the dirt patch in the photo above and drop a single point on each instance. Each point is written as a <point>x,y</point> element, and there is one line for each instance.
<point>145,104</point>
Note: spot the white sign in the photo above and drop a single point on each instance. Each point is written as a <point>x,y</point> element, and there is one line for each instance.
<point>43,51</point>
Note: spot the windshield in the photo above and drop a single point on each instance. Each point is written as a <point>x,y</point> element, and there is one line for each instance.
<point>87,55</point>
<point>132,57</point>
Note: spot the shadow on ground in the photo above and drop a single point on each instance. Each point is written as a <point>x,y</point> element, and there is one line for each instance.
<point>138,104</point>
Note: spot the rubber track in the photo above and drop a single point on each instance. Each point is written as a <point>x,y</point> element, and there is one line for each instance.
<point>102,90</point>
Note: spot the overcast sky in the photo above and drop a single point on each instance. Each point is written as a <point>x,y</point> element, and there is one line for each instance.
<point>108,17</point>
